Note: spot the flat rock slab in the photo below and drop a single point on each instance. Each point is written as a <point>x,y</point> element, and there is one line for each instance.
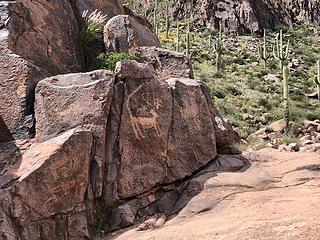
<point>277,197</point>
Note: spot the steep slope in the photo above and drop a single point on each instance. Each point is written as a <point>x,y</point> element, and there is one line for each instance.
<point>243,16</point>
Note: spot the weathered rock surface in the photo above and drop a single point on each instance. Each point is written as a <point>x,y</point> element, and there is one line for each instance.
<point>42,195</point>
<point>123,33</point>
<point>167,63</point>
<point>176,116</point>
<point>66,101</point>
<point>18,80</point>
<point>46,36</point>
<point>144,138</point>
<point>243,16</point>
<point>4,17</point>
<point>261,201</point>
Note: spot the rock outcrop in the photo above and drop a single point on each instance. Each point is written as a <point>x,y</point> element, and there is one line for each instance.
<point>245,16</point>
<point>167,63</point>
<point>18,80</point>
<point>46,36</point>
<point>81,150</point>
<point>123,33</point>
<point>40,190</point>
<point>129,140</point>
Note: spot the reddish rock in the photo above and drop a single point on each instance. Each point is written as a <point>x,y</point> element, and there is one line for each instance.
<point>46,36</point>
<point>166,131</point>
<point>83,99</point>
<point>123,33</point>
<point>47,184</point>
<point>167,63</point>
<point>18,80</point>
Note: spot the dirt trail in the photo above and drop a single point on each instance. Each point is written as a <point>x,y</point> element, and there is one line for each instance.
<point>277,197</point>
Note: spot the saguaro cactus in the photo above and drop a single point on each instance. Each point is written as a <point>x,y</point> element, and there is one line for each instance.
<point>263,51</point>
<point>155,20</point>
<point>188,40</point>
<point>281,51</point>
<point>167,21</point>
<point>210,42</point>
<point>218,48</point>
<point>285,73</point>
<point>178,37</point>
<point>317,79</point>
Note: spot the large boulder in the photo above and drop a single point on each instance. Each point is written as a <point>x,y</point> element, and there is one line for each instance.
<point>156,131</point>
<point>130,140</point>
<point>167,63</point>
<point>46,36</point>
<point>46,189</point>
<point>66,101</point>
<point>175,115</point>
<point>17,82</point>
<point>123,33</point>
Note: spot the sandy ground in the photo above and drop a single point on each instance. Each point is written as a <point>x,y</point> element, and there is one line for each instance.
<point>277,197</point>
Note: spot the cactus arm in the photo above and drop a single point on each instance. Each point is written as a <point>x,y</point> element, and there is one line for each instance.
<point>287,49</point>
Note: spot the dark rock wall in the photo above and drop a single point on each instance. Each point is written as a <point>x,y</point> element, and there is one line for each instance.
<point>245,16</point>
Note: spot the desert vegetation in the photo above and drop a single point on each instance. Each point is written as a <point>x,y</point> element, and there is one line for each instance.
<point>254,79</point>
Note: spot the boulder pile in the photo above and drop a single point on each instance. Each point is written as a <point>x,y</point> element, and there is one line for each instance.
<point>83,150</point>
<point>307,140</point>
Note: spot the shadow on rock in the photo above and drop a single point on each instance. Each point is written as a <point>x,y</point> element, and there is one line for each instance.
<point>181,199</point>
<point>5,134</point>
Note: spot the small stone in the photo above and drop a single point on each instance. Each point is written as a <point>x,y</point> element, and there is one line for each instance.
<point>161,221</point>
<point>293,147</point>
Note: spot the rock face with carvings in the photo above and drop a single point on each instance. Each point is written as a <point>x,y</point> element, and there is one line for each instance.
<point>100,148</point>
<point>104,138</point>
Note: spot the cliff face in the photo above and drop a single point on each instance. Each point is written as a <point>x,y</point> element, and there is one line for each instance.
<point>249,15</point>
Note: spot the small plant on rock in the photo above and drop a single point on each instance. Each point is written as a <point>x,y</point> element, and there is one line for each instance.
<point>92,35</point>
<point>109,60</point>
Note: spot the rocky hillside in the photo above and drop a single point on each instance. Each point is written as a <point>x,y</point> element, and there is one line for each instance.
<point>89,152</point>
<point>101,129</point>
<point>245,16</point>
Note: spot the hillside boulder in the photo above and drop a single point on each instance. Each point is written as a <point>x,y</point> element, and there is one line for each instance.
<point>17,83</point>
<point>52,175</point>
<point>83,99</point>
<point>123,33</point>
<point>167,63</point>
<point>46,36</point>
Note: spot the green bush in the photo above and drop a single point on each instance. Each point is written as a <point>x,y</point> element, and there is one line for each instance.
<point>91,36</point>
<point>109,60</point>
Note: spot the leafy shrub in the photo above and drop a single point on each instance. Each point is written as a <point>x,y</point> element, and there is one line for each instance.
<point>92,35</point>
<point>109,60</point>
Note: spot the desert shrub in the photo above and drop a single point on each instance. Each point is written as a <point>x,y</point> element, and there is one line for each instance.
<point>109,60</point>
<point>92,36</point>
